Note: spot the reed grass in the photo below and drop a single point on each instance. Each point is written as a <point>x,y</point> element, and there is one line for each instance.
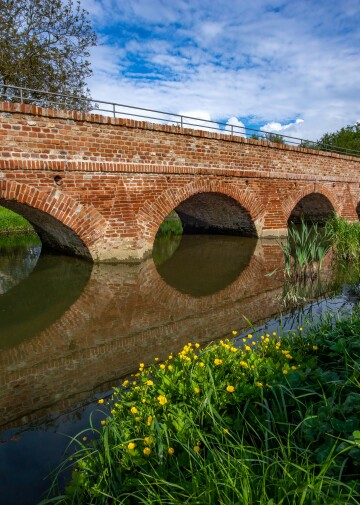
<point>345,238</point>
<point>275,421</point>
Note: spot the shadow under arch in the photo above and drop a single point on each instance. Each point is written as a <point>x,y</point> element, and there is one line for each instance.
<point>313,207</point>
<point>215,213</point>
<point>36,302</point>
<point>358,210</point>
<point>204,265</point>
<point>62,223</point>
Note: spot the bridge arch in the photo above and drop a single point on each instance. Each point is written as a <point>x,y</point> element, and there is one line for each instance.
<point>312,203</point>
<point>194,203</point>
<point>61,222</point>
<point>358,210</point>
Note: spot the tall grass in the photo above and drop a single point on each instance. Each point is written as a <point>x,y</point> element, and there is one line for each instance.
<point>345,238</point>
<point>275,422</point>
<point>305,250</point>
<point>170,226</point>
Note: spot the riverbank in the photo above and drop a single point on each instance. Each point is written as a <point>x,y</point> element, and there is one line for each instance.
<point>10,223</point>
<point>270,419</point>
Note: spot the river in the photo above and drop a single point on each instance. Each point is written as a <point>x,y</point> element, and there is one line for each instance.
<point>70,330</point>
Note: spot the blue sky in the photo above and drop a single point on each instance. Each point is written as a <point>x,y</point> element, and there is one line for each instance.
<point>289,66</point>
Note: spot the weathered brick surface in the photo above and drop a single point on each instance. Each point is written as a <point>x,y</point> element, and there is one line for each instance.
<point>120,177</point>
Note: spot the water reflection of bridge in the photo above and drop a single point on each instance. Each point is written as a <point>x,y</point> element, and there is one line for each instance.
<point>124,315</point>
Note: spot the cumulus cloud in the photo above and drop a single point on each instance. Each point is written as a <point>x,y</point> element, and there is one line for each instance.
<point>264,63</point>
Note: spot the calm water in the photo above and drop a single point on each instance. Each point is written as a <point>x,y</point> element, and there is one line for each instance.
<point>70,330</point>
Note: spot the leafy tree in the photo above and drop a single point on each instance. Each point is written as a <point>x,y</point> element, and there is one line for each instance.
<point>274,137</point>
<point>44,45</point>
<point>347,137</point>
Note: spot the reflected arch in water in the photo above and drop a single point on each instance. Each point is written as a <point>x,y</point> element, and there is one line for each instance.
<point>43,297</point>
<point>203,265</point>
<point>62,223</point>
<point>313,207</point>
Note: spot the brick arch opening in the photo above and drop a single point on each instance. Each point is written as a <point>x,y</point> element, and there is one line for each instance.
<point>62,223</point>
<point>358,210</point>
<point>215,213</point>
<point>313,207</point>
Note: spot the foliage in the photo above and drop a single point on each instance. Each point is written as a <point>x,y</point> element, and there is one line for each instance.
<point>347,137</point>
<point>304,250</point>
<point>276,421</point>
<point>274,137</point>
<point>345,237</point>
<point>44,45</point>
<point>10,221</point>
<point>170,226</point>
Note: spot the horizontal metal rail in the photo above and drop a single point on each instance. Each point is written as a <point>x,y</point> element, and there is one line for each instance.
<point>63,101</point>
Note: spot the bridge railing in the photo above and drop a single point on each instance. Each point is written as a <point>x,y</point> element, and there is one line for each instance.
<point>64,101</point>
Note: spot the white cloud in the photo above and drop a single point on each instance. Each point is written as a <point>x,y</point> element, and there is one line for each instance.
<point>260,62</point>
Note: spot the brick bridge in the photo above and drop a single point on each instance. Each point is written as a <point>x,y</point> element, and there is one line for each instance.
<point>100,187</point>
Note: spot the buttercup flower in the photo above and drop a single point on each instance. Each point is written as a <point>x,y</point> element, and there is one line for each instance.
<point>171,451</point>
<point>230,389</point>
<point>147,451</point>
<point>149,383</point>
<point>149,420</point>
<point>131,446</point>
<point>197,390</point>
<point>134,410</point>
<point>196,448</point>
<point>103,422</point>
<point>315,347</point>
<point>162,399</point>
<point>101,401</point>
<point>147,440</point>
<point>218,361</point>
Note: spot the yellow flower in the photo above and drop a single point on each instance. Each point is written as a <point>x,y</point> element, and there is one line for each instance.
<point>249,336</point>
<point>149,383</point>
<point>233,349</point>
<point>234,332</point>
<point>196,448</point>
<point>142,365</point>
<point>131,446</point>
<point>259,384</point>
<point>170,367</point>
<point>244,364</point>
<point>196,357</point>
<point>247,348</point>
<point>137,374</point>
<point>149,420</point>
<point>202,364</point>
<point>147,451</point>
<point>300,329</point>
<point>147,440</point>
<point>315,347</point>
<point>113,412</point>
<point>285,372</point>
<point>288,356</point>
<point>293,367</point>
<point>197,345</point>
<point>162,366</point>
<point>125,383</point>
<point>103,422</point>
<point>274,333</point>
<point>244,339</point>
<point>156,359</point>
<point>134,383</point>
<point>162,399</point>
<point>84,439</point>
<point>253,343</point>
<point>137,419</point>
<point>134,410</point>
<point>267,340</point>
<point>218,361</point>
<point>197,390</point>
<point>230,389</point>
<point>262,337</point>
<point>170,357</point>
<point>101,401</point>
<point>171,451</point>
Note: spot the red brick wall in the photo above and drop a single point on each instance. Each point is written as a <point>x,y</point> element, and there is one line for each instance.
<point>120,177</point>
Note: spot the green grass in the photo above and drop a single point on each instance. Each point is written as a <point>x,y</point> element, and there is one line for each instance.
<point>10,221</point>
<point>170,226</point>
<point>345,237</point>
<point>275,422</point>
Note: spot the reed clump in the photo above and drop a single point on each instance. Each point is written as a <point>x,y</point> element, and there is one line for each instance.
<point>345,238</point>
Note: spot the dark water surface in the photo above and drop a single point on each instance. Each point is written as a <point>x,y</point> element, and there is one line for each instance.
<point>70,330</point>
